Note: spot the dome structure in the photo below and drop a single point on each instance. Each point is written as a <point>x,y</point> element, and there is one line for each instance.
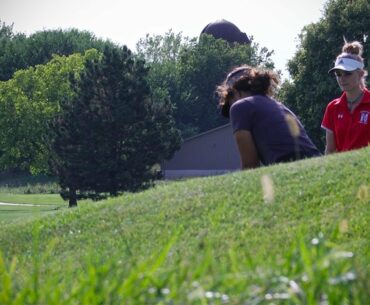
<point>226,30</point>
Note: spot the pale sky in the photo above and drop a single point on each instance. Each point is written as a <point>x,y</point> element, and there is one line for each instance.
<point>274,24</point>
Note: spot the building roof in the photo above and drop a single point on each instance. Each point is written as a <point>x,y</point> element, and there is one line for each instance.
<point>206,132</point>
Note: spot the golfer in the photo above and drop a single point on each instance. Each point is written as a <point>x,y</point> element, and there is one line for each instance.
<point>347,118</point>
<point>266,132</point>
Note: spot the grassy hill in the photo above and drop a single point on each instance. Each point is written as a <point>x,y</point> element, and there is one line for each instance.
<point>295,233</point>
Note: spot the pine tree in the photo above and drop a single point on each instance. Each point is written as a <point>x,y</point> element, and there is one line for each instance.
<point>107,139</point>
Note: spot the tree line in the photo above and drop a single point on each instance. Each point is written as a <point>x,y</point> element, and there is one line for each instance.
<point>102,117</point>
<point>84,113</point>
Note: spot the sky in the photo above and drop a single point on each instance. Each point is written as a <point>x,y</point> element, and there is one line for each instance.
<point>274,24</point>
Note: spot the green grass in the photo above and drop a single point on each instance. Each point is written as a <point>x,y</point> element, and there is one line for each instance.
<point>44,204</point>
<point>23,183</point>
<point>22,189</point>
<point>44,199</point>
<point>216,240</point>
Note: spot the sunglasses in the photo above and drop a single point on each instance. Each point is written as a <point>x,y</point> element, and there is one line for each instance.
<point>342,73</point>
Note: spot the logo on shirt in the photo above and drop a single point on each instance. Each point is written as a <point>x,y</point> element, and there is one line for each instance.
<point>340,116</point>
<point>364,117</point>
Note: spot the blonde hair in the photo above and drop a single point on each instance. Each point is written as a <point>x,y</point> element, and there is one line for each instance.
<point>354,50</point>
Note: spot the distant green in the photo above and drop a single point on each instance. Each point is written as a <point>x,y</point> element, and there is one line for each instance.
<point>215,240</point>
<point>45,203</point>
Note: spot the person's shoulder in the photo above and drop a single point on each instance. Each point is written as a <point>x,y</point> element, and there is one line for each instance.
<point>251,102</point>
<point>242,103</point>
<point>241,107</point>
<point>367,95</point>
<point>335,102</point>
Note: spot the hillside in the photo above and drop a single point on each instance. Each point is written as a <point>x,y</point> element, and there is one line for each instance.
<point>295,233</point>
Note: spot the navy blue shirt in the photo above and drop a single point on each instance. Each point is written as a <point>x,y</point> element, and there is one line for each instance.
<point>265,119</point>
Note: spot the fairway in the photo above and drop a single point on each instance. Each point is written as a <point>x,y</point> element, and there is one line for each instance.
<point>9,213</point>
<point>28,206</point>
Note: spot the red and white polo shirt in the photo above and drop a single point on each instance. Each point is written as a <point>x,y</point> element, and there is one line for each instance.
<point>351,130</point>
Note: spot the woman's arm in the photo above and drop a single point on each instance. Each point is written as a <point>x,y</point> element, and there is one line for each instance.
<point>330,143</point>
<point>247,149</point>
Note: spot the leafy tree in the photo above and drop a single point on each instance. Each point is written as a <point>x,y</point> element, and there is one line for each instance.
<point>311,88</point>
<point>110,135</point>
<point>202,67</point>
<point>158,49</point>
<point>187,72</point>
<point>6,31</point>
<point>27,102</point>
<point>161,54</point>
<point>20,52</point>
<point>11,51</point>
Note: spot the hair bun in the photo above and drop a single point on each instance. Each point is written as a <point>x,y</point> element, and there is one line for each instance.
<point>354,48</point>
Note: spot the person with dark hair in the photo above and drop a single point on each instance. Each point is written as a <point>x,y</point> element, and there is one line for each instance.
<point>347,118</point>
<point>266,131</point>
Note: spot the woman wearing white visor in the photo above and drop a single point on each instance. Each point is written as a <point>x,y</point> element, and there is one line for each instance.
<point>347,118</point>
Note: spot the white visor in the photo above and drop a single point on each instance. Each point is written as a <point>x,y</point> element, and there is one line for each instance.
<point>233,76</point>
<point>347,64</point>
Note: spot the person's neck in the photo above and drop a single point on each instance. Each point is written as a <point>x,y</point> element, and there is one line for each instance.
<point>244,94</point>
<point>354,96</point>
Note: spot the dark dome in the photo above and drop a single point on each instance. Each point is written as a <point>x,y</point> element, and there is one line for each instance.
<point>223,29</point>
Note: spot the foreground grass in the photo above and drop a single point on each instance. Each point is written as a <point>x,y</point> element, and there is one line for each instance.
<point>298,237</point>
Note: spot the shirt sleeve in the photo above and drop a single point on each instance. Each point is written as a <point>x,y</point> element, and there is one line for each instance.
<point>240,116</point>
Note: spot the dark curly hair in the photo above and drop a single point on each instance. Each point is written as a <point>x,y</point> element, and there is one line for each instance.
<point>249,79</point>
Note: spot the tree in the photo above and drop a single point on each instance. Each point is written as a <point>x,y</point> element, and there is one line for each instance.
<point>311,88</point>
<point>20,52</point>
<point>110,135</point>
<point>202,67</point>
<point>27,102</point>
<point>11,51</point>
<point>6,31</point>
<point>162,55</point>
<point>187,72</point>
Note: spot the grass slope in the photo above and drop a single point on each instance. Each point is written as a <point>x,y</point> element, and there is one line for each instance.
<point>294,233</point>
